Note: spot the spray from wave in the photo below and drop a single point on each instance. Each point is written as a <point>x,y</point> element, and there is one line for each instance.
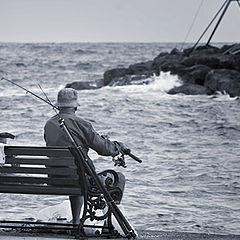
<point>223,96</point>
<point>165,82</point>
<point>162,83</point>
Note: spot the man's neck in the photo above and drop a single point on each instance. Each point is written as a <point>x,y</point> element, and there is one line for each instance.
<point>67,110</point>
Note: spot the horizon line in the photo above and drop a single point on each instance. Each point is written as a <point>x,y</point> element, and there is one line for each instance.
<point>189,42</point>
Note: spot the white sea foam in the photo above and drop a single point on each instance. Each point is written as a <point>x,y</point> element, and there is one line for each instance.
<point>223,96</point>
<point>162,84</point>
<point>189,144</point>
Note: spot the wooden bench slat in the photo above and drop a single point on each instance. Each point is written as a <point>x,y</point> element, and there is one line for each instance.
<point>43,190</point>
<point>41,161</point>
<point>32,170</point>
<point>37,151</point>
<point>55,164</point>
<point>39,180</point>
<point>54,171</point>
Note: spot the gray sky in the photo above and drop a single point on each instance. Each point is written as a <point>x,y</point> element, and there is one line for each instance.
<point>114,20</point>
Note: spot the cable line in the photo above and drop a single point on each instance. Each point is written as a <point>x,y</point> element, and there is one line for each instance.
<point>191,26</point>
<point>224,5</point>
<point>238,3</point>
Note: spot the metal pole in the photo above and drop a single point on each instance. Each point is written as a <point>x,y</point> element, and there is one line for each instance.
<point>238,3</point>
<point>214,30</point>
<point>77,152</point>
<point>208,27</point>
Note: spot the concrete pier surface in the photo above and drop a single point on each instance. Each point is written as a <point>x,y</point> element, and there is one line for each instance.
<point>143,234</point>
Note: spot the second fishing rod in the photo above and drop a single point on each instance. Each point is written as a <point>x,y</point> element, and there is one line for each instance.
<point>55,108</point>
<point>78,153</point>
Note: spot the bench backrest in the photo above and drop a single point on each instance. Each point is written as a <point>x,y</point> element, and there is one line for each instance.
<point>39,170</point>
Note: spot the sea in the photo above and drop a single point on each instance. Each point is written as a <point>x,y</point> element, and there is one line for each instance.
<point>189,178</point>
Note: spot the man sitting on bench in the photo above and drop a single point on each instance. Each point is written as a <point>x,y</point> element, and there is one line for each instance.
<point>83,133</point>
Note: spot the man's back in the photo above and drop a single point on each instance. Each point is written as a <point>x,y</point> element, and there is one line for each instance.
<point>81,130</point>
<point>84,135</point>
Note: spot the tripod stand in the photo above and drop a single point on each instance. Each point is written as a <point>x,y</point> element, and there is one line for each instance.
<point>222,10</point>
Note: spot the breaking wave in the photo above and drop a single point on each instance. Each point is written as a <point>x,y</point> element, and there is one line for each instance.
<point>189,177</point>
<point>162,83</point>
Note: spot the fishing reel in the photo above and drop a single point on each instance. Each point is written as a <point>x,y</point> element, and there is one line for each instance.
<point>119,160</point>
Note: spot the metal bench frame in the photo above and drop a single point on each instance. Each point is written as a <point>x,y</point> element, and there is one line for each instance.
<point>57,171</point>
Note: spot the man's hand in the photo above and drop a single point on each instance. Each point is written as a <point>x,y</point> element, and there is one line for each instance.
<point>122,148</point>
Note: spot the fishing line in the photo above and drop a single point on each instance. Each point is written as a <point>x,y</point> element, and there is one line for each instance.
<point>28,91</point>
<point>238,3</point>
<point>194,19</point>
<point>209,25</point>
<point>61,121</point>
<point>80,157</point>
<point>48,99</point>
<point>219,20</point>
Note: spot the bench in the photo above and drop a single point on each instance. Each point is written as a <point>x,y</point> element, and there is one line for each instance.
<point>54,171</point>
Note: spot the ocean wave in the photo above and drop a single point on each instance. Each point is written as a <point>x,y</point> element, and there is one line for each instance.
<point>223,96</point>
<point>189,170</point>
<point>81,52</point>
<point>165,81</point>
<point>161,84</point>
<point>83,65</point>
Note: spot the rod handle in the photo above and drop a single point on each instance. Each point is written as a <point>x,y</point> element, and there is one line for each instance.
<point>133,156</point>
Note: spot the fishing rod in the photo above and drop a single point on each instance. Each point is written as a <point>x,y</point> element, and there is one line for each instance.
<point>79,154</point>
<point>28,91</point>
<point>127,152</point>
<point>206,29</point>
<point>49,101</point>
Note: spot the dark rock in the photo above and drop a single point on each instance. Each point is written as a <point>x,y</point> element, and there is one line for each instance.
<point>195,74</point>
<point>20,65</point>
<point>81,85</point>
<point>168,63</point>
<point>204,70</point>
<point>111,74</point>
<point>210,61</point>
<point>172,67</point>
<point>162,54</point>
<point>130,80</point>
<point>205,49</point>
<point>176,68</point>
<point>227,61</point>
<point>120,81</point>
<point>231,49</point>
<point>141,67</point>
<point>190,89</point>
<point>175,51</point>
<point>224,80</point>
<point>225,48</point>
<point>236,62</point>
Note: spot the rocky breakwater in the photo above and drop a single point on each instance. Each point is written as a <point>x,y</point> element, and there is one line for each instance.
<point>204,70</point>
